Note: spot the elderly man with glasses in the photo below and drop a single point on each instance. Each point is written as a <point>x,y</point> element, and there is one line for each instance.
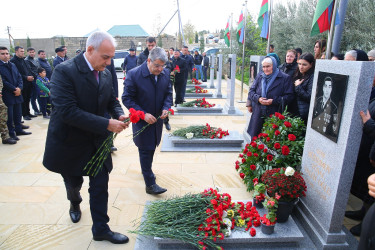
<point>148,88</point>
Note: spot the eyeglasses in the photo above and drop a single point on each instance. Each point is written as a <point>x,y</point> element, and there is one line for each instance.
<point>159,66</point>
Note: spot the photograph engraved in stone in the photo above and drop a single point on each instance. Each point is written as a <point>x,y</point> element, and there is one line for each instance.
<point>329,104</point>
<point>253,70</point>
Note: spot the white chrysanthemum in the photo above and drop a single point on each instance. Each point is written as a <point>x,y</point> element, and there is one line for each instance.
<point>227,222</point>
<point>189,135</point>
<point>228,233</point>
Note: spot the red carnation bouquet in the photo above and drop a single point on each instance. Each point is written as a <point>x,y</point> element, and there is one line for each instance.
<point>196,82</point>
<point>176,69</point>
<point>280,144</point>
<point>95,164</point>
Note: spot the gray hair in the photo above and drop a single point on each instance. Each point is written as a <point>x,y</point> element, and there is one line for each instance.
<point>267,60</point>
<point>96,38</point>
<point>352,53</point>
<point>158,53</point>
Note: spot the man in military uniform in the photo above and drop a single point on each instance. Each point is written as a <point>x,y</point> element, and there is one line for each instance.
<point>325,111</point>
<point>3,119</point>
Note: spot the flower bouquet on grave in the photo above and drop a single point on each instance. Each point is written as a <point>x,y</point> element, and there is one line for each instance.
<point>200,131</point>
<point>198,219</point>
<point>201,103</point>
<point>259,193</point>
<point>286,186</point>
<point>196,82</point>
<point>95,164</point>
<point>269,220</point>
<point>197,90</point>
<point>280,144</point>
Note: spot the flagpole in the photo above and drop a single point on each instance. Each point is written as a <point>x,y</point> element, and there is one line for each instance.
<point>331,31</point>
<point>269,26</point>
<point>243,50</point>
<point>230,32</point>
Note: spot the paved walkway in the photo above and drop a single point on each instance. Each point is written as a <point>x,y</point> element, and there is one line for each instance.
<point>33,204</point>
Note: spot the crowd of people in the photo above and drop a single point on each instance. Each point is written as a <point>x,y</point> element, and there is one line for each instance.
<point>79,123</point>
<point>289,85</point>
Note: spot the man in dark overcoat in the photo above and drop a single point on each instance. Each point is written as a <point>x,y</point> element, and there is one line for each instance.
<point>81,93</point>
<point>148,88</point>
<point>179,78</point>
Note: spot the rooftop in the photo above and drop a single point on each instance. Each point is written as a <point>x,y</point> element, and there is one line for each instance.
<point>127,30</point>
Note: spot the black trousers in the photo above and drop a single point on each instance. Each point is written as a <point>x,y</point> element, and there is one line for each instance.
<point>98,191</point>
<point>179,92</point>
<point>367,240</point>
<point>26,94</point>
<point>146,157</point>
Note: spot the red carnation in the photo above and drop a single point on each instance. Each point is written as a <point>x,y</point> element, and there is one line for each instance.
<point>249,154</point>
<point>268,139</point>
<point>253,232</point>
<point>287,124</point>
<point>277,132</point>
<point>261,146</point>
<point>242,175</point>
<point>253,167</point>
<point>285,150</point>
<point>171,111</point>
<point>243,160</point>
<point>237,167</point>
<point>269,157</point>
<point>291,137</point>
<point>256,155</point>
<point>141,114</point>
<point>277,145</point>
<point>277,114</point>
<point>134,118</point>
<point>265,150</point>
<point>274,126</point>
<point>281,117</point>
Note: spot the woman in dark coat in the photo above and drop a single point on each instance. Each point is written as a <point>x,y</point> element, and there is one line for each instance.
<point>271,91</point>
<point>290,65</point>
<point>303,82</point>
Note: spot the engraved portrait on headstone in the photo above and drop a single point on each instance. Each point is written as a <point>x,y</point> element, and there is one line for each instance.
<point>329,104</point>
<point>253,70</point>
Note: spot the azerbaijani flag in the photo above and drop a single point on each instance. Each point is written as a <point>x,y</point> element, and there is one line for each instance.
<point>240,29</point>
<point>323,17</point>
<point>227,35</point>
<point>263,20</point>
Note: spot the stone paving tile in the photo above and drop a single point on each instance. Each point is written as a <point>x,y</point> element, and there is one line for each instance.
<point>19,179</point>
<point>49,237</point>
<point>6,231</point>
<point>25,194</point>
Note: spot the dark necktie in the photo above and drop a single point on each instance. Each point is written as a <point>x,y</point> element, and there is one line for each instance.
<point>96,74</point>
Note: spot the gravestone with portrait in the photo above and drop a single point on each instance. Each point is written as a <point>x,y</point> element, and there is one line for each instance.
<point>341,90</point>
<point>255,69</point>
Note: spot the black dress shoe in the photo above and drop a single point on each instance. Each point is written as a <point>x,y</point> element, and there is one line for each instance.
<point>27,118</point>
<point>32,116</point>
<point>23,132</point>
<point>356,230</point>
<point>9,141</point>
<point>167,126</point>
<point>75,213</point>
<point>113,237</point>
<point>356,215</point>
<point>25,127</point>
<point>155,189</point>
<point>14,137</point>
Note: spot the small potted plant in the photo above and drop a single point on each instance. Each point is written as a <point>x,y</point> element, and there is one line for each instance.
<point>259,193</point>
<point>286,185</point>
<point>268,220</point>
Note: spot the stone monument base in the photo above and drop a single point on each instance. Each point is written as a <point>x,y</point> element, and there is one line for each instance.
<point>231,143</point>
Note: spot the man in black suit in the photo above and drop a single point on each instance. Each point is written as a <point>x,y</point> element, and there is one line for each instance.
<point>179,78</point>
<point>81,94</point>
<point>27,79</point>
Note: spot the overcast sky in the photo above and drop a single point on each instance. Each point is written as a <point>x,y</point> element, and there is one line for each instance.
<point>46,18</point>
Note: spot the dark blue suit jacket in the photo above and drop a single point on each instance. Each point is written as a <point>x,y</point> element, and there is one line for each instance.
<point>57,61</point>
<point>142,93</point>
<point>11,80</point>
